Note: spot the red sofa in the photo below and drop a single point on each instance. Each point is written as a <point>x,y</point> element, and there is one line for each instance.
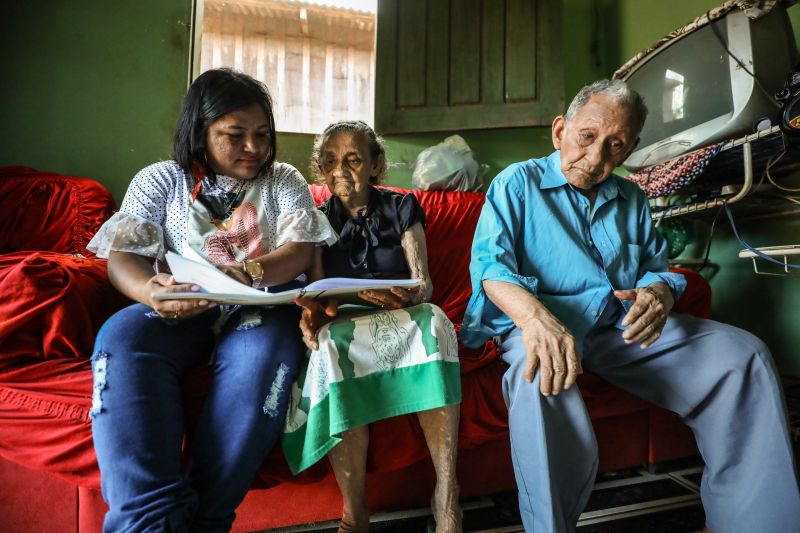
<point>54,295</point>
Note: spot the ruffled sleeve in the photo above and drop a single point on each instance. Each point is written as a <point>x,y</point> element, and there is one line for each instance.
<point>125,232</point>
<point>291,189</point>
<point>409,212</point>
<point>305,225</point>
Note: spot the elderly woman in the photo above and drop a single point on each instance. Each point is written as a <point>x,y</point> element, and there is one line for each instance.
<point>369,366</point>
<point>224,197</point>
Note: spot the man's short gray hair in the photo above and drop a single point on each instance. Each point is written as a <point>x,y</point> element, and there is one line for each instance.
<point>615,89</point>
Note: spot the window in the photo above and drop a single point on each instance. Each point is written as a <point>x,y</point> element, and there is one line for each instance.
<point>316,57</point>
<point>468,64</point>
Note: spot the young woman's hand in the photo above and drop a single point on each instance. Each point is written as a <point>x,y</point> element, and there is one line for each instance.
<point>236,272</point>
<point>316,313</point>
<point>175,309</point>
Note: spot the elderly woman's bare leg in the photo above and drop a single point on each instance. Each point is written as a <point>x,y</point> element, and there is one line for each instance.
<point>349,463</point>
<point>441,433</point>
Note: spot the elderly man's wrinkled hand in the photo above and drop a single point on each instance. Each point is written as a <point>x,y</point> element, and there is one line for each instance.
<point>647,316</point>
<point>394,298</point>
<point>316,313</point>
<point>552,348</point>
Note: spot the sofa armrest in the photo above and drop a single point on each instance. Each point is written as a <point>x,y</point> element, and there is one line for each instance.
<point>45,211</point>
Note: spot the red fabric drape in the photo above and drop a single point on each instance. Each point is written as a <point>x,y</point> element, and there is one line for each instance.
<point>51,306</point>
<point>45,211</point>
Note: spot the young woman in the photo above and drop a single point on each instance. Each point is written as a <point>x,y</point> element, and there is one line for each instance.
<point>224,197</point>
<point>400,359</point>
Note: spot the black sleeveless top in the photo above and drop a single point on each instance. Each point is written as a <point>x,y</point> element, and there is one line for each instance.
<point>369,243</point>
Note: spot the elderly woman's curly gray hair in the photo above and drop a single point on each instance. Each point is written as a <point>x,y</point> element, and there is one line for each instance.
<point>617,90</point>
<point>377,151</point>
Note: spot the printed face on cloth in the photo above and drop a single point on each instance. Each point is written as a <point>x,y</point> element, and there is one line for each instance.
<point>347,165</point>
<point>389,340</point>
<point>237,144</point>
<point>596,140</point>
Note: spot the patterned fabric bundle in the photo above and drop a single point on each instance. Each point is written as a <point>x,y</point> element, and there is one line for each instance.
<point>367,368</point>
<point>669,176</point>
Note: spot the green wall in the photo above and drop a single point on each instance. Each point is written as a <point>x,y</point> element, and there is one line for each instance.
<point>496,148</point>
<point>92,88</point>
<point>769,306</point>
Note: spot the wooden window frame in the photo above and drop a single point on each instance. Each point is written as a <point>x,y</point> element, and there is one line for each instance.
<point>436,105</point>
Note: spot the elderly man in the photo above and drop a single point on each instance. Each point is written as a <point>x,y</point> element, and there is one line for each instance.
<point>569,273</point>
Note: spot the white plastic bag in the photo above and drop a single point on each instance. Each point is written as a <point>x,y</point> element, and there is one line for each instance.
<point>448,165</point>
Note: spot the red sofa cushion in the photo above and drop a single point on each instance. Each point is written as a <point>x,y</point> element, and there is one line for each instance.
<point>51,306</point>
<point>696,299</point>
<point>44,422</point>
<point>45,211</point>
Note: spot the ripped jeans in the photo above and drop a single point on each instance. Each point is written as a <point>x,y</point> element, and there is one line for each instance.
<point>138,415</point>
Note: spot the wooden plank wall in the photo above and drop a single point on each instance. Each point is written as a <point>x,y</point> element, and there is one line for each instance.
<point>318,62</point>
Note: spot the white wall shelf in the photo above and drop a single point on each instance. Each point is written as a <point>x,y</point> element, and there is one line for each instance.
<point>781,253</point>
<point>731,173</point>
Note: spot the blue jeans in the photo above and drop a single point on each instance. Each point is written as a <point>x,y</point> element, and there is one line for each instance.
<point>722,382</point>
<point>138,417</point>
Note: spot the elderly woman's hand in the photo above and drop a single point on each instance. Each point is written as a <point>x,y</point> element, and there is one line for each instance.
<point>394,298</point>
<point>316,313</point>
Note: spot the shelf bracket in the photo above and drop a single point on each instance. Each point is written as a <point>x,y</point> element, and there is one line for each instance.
<point>783,252</point>
<point>747,156</point>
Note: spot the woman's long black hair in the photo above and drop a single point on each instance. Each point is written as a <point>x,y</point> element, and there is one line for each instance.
<point>213,94</point>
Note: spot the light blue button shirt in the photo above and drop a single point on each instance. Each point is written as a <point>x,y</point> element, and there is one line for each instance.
<point>537,231</point>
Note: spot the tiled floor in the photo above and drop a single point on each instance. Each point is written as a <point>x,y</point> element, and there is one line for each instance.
<point>661,499</point>
<point>631,501</point>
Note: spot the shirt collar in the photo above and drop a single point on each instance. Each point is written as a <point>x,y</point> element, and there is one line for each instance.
<point>555,178</point>
<point>342,215</point>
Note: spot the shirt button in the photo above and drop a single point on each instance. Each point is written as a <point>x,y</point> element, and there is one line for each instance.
<point>594,313</point>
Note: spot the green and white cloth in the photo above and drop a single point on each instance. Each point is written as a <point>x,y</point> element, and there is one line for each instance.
<point>367,368</point>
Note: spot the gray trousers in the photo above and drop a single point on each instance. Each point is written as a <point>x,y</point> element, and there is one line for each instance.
<point>720,379</point>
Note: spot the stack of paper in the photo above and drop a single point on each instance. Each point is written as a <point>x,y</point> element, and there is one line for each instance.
<point>218,287</point>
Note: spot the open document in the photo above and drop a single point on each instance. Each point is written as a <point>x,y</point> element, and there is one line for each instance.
<point>218,287</point>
